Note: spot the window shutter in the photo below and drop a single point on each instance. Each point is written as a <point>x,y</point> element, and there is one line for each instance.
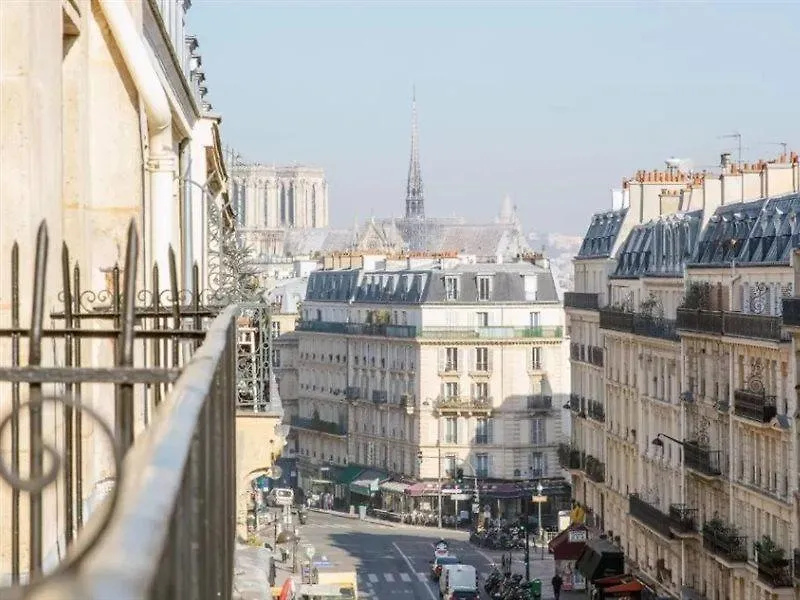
<point>489,467</point>
<point>490,430</point>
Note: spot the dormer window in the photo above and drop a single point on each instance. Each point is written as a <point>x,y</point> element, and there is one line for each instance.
<point>484,287</point>
<point>451,287</point>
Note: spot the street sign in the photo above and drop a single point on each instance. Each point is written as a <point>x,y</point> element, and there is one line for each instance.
<point>539,499</point>
<point>577,535</point>
<point>461,497</point>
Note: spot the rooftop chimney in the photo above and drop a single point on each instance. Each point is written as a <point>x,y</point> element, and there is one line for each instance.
<point>725,161</point>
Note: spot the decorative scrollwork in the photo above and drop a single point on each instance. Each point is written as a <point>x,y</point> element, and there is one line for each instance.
<point>52,466</point>
<point>758,298</point>
<point>755,383</point>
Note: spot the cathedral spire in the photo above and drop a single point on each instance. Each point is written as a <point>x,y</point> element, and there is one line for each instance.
<point>415,202</point>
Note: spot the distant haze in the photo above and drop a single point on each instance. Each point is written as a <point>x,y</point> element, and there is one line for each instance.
<point>552,103</point>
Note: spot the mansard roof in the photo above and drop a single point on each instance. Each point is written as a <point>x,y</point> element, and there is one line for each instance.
<point>659,248</point>
<point>761,232</point>
<point>602,234</point>
<point>420,286</point>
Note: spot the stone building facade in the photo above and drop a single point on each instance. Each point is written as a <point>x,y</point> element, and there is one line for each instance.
<point>683,399</point>
<point>412,370</point>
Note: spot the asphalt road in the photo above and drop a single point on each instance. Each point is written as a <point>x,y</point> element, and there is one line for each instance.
<point>392,563</point>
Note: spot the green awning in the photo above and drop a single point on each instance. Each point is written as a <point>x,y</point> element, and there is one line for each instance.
<point>348,474</point>
<point>367,482</point>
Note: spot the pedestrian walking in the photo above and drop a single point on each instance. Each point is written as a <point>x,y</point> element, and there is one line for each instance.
<point>557,583</point>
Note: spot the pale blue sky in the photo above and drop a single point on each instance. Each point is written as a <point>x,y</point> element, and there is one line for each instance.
<point>550,102</point>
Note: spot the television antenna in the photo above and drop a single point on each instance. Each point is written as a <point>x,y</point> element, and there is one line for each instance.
<point>738,137</point>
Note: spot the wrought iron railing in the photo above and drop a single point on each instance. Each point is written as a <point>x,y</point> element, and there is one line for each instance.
<point>682,518</point>
<point>717,322</point>
<point>650,515</point>
<point>702,459</point>
<point>581,300</point>
<point>755,406</point>
<point>595,469</point>
<point>775,571</point>
<point>596,411</point>
<point>724,540</point>
<point>491,333</point>
<point>568,457</point>
<point>372,329</point>
<point>595,356</point>
<point>638,324</point>
<point>791,318</point>
<point>462,403</point>
<point>540,402</point>
<point>162,523</point>
<point>574,402</point>
<point>313,424</point>
<point>616,320</point>
<point>796,562</point>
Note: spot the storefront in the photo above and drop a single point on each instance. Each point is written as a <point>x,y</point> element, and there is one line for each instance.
<point>393,494</point>
<point>365,487</point>
<point>566,548</point>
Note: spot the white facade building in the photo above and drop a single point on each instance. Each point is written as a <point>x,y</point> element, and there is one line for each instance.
<point>416,370</point>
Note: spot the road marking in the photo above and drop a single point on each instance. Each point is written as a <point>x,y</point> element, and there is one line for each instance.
<point>411,567</point>
<point>388,577</point>
<point>373,578</point>
<point>405,577</point>
<point>422,577</point>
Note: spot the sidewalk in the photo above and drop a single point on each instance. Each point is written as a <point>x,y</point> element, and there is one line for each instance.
<point>344,515</point>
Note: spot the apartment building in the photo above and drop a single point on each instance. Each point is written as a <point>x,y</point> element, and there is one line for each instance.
<point>105,121</point>
<point>417,368</point>
<point>682,379</point>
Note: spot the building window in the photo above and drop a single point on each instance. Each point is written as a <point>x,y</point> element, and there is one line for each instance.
<point>536,358</point>
<point>449,466</point>
<point>451,430</point>
<point>405,317</point>
<point>483,431</point>
<point>538,465</point>
<point>482,319</point>
<point>484,288</point>
<point>451,359</point>
<point>451,288</point>
<point>276,329</point>
<point>451,389</point>
<point>482,391</point>
<point>535,319</point>
<point>481,359</point>
<point>276,358</point>
<point>538,432</point>
<point>482,465</point>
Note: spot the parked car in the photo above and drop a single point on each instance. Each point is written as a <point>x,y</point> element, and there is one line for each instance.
<point>439,562</point>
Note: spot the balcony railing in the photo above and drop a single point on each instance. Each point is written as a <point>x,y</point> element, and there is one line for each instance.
<point>595,356</point>
<point>775,571</point>
<point>462,404</point>
<point>166,526</point>
<point>352,392</point>
<point>791,318</point>
<point>736,324</point>
<point>755,406</point>
<point>540,402</point>
<point>682,518</point>
<point>724,540</point>
<point>796,561</point>
<point>595,469</point>
<point>701,459</point>
<point>312,424</point>
<point>761,327</point>
<point>648,514</point>
<point>568,457</point>
<point>371,329</point>
<point>638,324</point>
<point>380,396</point>
<point>596,411</point>
<point>491,333</point>
<point>581,300</point>
<point>575,402</point>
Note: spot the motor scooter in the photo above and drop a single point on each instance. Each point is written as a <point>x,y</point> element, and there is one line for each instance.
<point>302,515</point>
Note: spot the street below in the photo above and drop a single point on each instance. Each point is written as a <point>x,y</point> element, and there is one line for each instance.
<point>394,562</point>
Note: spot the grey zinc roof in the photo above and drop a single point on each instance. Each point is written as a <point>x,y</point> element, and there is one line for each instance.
<point>427,285</point>
<point>659,248</point>
<point>602,234</point>
<point>760,232</point>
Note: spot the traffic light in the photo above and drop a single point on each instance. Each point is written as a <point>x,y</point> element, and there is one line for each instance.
<point>459,475</point>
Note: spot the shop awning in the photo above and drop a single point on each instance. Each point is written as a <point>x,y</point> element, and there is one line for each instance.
<point>502,490</point>
<point>348,474</point>
<point>394,487</point>
<point>570,543</point>
<point>625,588</point>
<point>422,489</point>
<point>367,482</point>
<point>600,559</point>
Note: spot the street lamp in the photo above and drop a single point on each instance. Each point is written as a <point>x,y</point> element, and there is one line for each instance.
<point>657,441</point>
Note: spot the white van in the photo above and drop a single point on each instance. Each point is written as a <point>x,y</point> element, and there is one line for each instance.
<point>280,497</point>
<point>458,582</point>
